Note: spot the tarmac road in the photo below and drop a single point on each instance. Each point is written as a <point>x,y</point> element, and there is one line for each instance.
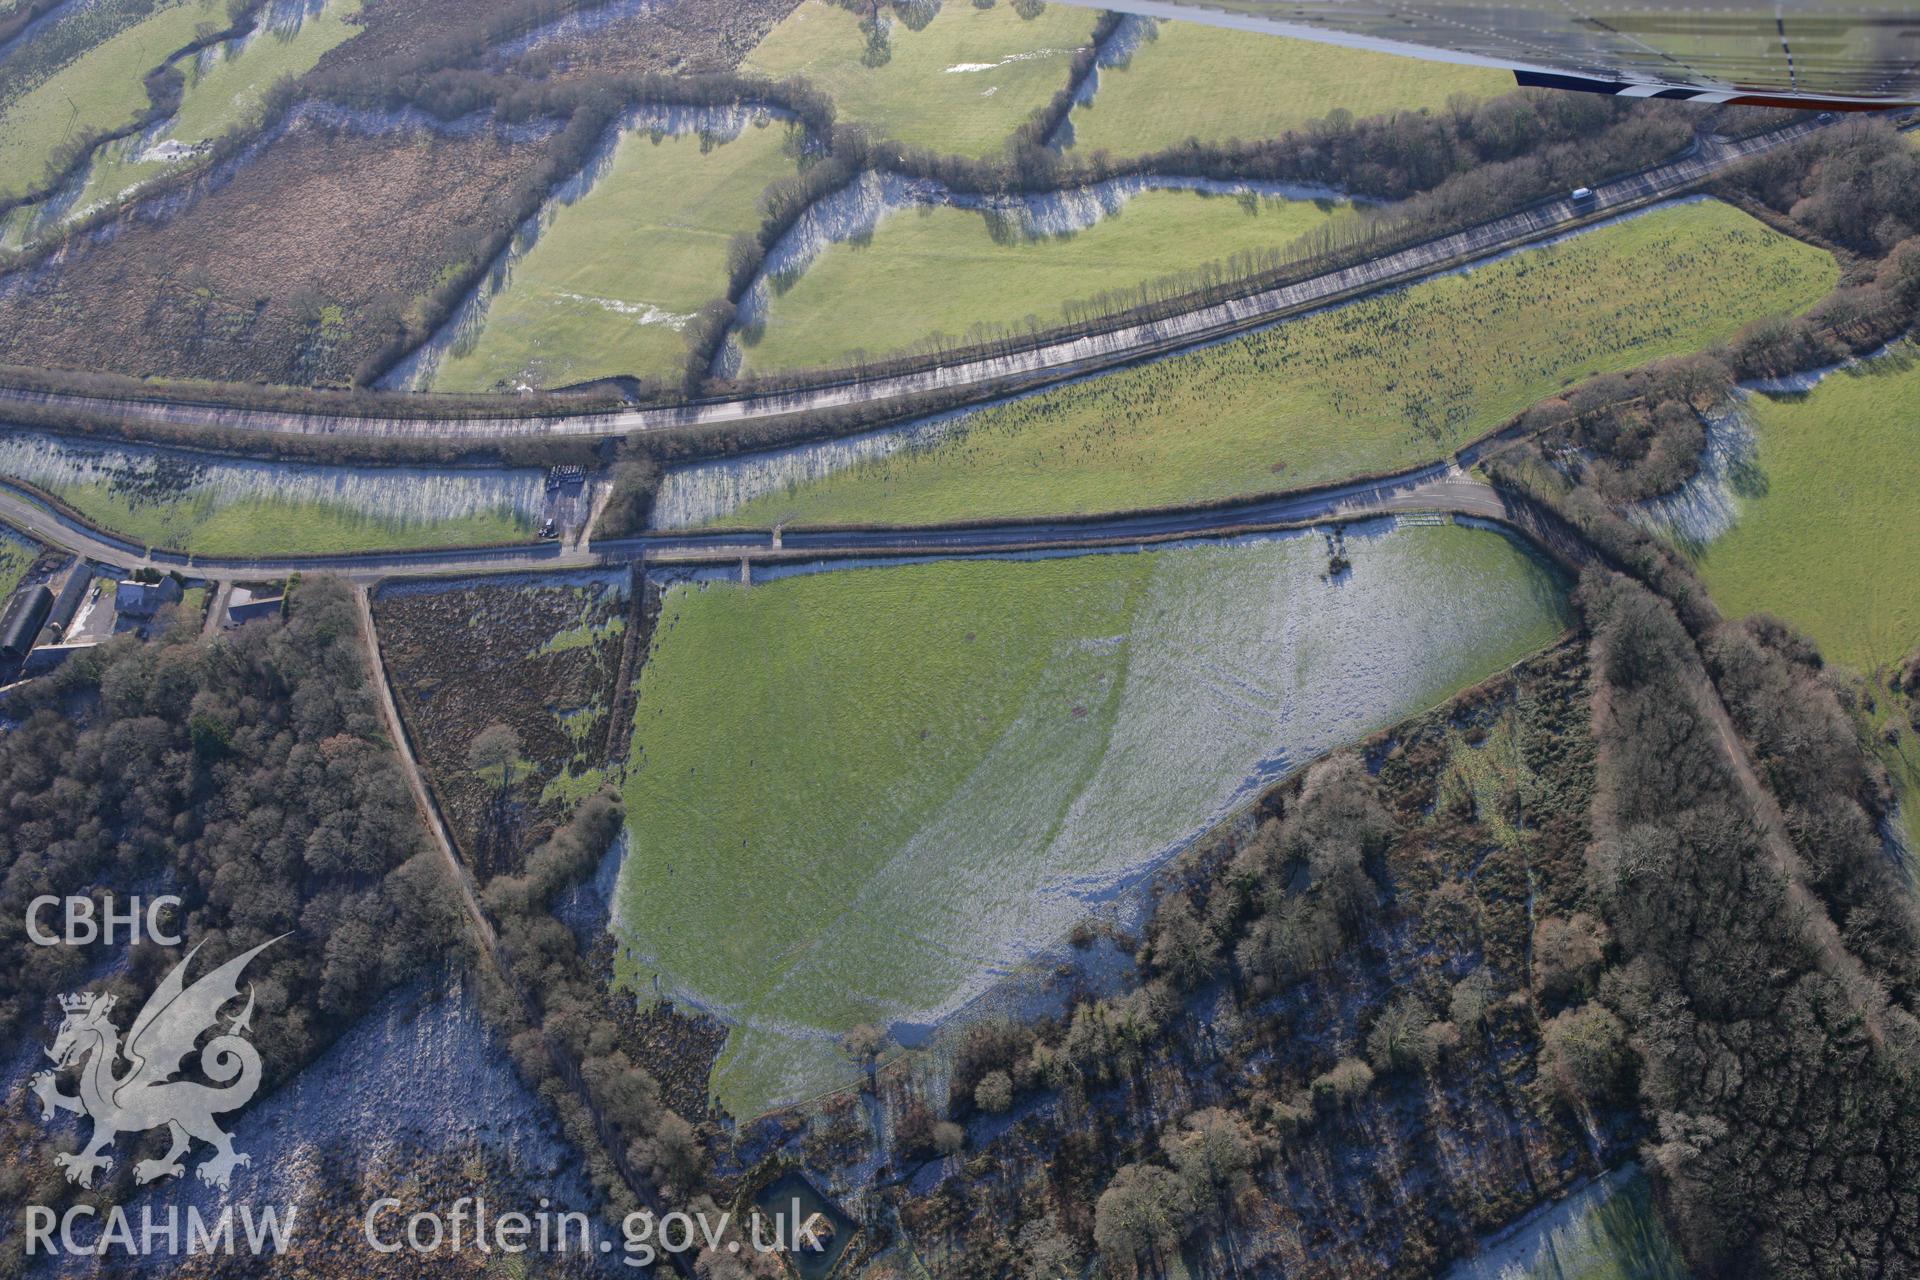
<point>1442,487</point>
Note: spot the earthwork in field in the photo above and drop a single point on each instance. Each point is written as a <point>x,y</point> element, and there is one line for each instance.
<point>961,83</point>
<point>210,505</point>
<point>673,186</point>
<point>1385,382</point>
<point>901,782</point>
<point>1162,83</point>
<point>855,283</point>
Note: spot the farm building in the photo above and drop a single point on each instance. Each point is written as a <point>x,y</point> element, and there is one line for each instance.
<point>21,623</point>
<point>72,593</point>
<point>247,603</point>
<point>144,599</point>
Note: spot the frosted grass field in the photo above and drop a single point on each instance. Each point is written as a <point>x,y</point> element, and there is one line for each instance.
<point>231,506</point>
<point>1607,1230</point>
<point>1001,746</point>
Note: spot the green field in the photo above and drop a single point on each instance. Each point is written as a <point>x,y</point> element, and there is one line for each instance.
<point>1386,382</point>
<point>1196,81</point>
<point>229,92</point>
<point>873,297</point>
<point>960,85</point>
<point>1830,541</point>
<point>856,795</point>
<point>615,276</point>
<point>100,90</point>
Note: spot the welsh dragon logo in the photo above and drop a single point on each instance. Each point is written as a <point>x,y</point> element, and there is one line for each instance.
<point>145,1095</point>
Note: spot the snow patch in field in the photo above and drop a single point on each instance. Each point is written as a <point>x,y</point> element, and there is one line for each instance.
<point>1032,55</point>
<point>641,312</point>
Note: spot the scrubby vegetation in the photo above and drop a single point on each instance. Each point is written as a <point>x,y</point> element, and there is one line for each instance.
<point>16,557</point>
<point>530,661</point>
<point>1334,1005</point>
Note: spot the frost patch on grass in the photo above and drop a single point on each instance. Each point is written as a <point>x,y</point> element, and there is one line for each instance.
<point>1032,55</point>
<point>1609,1227</point>
<point>580,22</point>
<point>642,312</point>
<point>163,494</point>
<point>421,1071</point>
<point>1796,384</point>
<point>702,492</point>
<point>1709,504</point>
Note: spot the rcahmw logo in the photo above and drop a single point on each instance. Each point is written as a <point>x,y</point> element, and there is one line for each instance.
<point>144,1094</point>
